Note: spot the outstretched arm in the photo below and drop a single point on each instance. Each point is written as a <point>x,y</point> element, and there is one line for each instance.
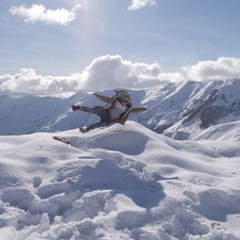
<point>136,110</point>
<point>103,98</point>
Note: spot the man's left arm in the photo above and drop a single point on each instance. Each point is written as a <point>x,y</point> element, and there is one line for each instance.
<point>137,110</point>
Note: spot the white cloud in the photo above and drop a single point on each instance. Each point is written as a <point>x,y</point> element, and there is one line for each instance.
<point>38,13</point>
<point>110,72</point>
<point>114,72</point>
<point>222,68</point>
<point>105,72</point>
<point>137,4</point>
<point>28,82</point>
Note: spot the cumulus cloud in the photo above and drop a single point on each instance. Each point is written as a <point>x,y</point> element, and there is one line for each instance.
<point>105,72</point>
<point>38,13</point>
<point>110,72</point>
<point>137,4</point>
<point>28,82</point>
<point>222,68</point>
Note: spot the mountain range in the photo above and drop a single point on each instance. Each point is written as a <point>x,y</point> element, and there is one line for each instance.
<point>180,110</point>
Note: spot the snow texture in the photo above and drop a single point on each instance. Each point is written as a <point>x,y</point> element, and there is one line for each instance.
<point>121,182</point>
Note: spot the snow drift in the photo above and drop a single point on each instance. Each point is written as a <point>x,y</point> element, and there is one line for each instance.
<point>122,182</point>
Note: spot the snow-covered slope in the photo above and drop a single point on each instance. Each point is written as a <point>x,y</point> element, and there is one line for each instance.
<point>212,104</point>
<point>119,183</point>
<point>178,110</point>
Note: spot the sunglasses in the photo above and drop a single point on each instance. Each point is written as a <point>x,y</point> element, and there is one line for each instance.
<point>124,101</point>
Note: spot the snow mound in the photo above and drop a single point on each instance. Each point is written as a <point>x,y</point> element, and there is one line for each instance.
<point>121,182</point>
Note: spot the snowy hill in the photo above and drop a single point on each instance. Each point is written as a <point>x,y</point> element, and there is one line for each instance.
<point>178,110</point>
<point>119,183</point>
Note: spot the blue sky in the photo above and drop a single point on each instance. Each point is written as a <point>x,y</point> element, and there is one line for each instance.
<point>61,38</point>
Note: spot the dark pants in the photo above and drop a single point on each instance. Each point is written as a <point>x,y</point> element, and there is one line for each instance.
<point>105,118</point>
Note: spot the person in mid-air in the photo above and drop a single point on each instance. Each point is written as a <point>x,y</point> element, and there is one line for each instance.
<point>116,111</point>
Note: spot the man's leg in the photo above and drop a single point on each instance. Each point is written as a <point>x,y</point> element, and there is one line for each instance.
<point>105,120</point>
<point>93,126</point>
<point>88,109</point>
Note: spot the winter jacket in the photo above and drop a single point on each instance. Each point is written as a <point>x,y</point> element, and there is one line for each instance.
<point>109,100</point>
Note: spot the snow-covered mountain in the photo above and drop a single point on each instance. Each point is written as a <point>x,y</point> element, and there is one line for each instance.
<point>178,110</point>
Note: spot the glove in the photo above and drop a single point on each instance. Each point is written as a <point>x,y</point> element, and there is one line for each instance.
<point>75,107</point>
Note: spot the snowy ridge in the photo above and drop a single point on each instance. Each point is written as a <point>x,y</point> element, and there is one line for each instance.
<point>221,132</point>
<point>118,183</point>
